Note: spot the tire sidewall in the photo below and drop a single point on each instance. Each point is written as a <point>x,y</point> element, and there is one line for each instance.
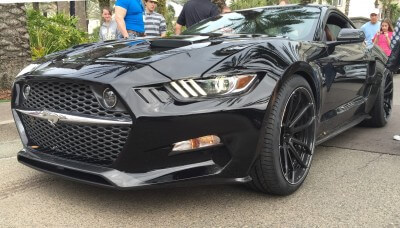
<point>285,92</point>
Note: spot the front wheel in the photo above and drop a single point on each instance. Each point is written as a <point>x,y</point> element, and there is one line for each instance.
<point>288,139</point>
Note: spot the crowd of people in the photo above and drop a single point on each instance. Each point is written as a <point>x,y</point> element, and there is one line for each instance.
<point>134,18</point>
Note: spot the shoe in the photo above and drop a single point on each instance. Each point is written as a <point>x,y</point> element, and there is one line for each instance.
<point>396,137</point>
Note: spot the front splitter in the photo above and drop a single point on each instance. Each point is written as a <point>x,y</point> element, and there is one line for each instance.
<point>112,178</point>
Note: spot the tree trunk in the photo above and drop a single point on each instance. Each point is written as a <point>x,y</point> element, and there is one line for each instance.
<point>320,2</point>
<point>80,12</point>
<point>63,7</point>
<point>35,6</point>
<point>104,3</point>
<point>14,42</point>
<point>347,7</point>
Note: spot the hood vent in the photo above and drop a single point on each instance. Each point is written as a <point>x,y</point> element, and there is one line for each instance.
<point>170,43</point>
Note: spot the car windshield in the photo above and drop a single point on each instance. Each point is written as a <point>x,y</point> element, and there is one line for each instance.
<point>296,23</point>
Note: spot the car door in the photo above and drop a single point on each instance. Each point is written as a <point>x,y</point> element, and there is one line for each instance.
<point>344,70</point>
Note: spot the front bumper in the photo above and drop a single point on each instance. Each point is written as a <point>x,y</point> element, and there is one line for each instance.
<point>112,178</point>
<point>145,159</point>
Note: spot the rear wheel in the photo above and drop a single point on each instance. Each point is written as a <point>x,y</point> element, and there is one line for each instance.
<point>287,144</point>
<point>382,109</point>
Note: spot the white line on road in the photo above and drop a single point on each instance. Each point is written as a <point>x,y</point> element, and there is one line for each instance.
<point>6,122</point>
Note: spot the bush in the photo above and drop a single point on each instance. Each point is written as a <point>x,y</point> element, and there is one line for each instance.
<point>53,34</point>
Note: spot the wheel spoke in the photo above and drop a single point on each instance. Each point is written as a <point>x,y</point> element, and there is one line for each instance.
<point>388,85</point>
<point>296,155</point>
<point>295,108</point>
<point>304,126</point>
<point>300,115</point>
<point>285,158</point>
<point>387,93</point>
<point>387,105</point>
<point>302,144</point>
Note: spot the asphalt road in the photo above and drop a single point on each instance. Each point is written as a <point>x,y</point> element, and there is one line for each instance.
<point>354,181</point>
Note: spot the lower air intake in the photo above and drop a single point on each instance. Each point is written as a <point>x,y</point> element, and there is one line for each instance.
<point>98,145</point>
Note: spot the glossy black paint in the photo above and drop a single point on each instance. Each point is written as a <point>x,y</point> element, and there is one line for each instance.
<point>344,75</point>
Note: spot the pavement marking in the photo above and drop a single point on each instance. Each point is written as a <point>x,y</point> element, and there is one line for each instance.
<point>6,122</point>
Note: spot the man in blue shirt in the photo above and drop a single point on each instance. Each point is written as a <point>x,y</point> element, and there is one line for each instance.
<point>129,17</point>
<point>371,28</point>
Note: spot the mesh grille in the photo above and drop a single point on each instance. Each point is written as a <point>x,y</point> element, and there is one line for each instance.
<point>92,144</point>
<point>69,97</point>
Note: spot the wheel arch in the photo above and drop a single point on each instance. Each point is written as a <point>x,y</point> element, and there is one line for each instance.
<point>306,71</point>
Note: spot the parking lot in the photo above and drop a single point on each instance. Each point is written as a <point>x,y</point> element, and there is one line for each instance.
<point>354,181</point>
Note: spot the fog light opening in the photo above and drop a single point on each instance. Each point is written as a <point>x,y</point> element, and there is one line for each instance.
<point>26,90</point>
<point>196,143</point>
<point>110,99</point>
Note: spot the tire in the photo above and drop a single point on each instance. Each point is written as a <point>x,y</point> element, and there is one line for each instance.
<point>382,109</point>
<point>287,141</point>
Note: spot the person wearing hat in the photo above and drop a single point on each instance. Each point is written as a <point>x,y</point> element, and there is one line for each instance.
<point>371,28</point>
<point>154,23</point>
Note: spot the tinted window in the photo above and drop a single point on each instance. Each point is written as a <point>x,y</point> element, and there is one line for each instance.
<point>297,23</point>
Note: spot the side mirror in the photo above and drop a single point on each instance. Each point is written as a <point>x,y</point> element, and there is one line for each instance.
<point>351,35</point>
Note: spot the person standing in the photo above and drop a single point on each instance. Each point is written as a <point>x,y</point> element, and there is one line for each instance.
<point>108,30</point>
<point>154,23</point>
<point>129,18</point>
<point>193,12</point>
<point>370,28</point>
<point>383,37</point>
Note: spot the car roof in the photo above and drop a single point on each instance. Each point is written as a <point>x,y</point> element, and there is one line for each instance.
<point>289,6</point>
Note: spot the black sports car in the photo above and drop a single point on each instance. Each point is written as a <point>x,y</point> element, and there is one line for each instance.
<point>239,98</point>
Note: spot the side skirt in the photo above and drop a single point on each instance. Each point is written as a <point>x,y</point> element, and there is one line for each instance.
<point>343,128</point>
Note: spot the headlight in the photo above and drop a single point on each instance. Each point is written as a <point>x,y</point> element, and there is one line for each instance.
<point>219,85</point>
<point>27,69</point>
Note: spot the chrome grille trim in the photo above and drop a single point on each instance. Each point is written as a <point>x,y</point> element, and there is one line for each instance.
<point>56,117</point>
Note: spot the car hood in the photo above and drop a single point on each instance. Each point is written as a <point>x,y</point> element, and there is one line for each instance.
<point>174,58</point>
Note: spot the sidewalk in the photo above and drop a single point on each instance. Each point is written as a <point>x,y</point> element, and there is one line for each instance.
<point>5,113</point>
<point>8,132</point>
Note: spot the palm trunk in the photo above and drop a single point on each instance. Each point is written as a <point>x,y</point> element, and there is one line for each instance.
<point>346,9</point>
<point>14,43</point>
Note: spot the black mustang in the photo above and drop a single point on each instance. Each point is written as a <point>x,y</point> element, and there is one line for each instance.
<point>243,97</point>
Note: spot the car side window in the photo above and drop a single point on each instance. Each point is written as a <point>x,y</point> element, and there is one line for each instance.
<point>333,26</point>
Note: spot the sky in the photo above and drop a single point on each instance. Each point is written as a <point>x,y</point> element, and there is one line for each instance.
<point>361,8</point>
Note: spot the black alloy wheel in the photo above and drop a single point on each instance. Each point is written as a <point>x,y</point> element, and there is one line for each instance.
<point>287,143</point>
<point>388,97</point>
<point>297,135</point>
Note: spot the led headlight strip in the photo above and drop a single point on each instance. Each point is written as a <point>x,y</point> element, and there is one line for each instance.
<point>214,86</point>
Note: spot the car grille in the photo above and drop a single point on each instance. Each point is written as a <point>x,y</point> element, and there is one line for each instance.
<point>68,97</point>
<point>99,145</point>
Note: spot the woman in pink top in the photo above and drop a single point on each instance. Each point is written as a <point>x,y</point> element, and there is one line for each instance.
<point>383,37</point>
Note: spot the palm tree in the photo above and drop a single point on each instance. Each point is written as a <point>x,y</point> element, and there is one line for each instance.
<point>162,8</point>
<point>14,43</point>
<point>346,9</point>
